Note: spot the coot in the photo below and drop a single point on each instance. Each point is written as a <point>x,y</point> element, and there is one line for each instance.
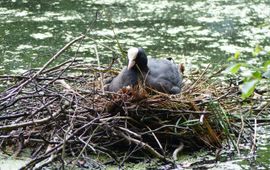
<point>160,74</point>
<point>127,77</point>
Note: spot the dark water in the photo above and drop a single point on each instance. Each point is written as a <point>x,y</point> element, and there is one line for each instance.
<point>191,31</point>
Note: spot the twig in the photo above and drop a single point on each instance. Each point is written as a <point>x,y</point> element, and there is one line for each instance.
<point>102,75</point>
<point>155,137</point>
<point>254,145</point>
<point>240,134</point>
<point>60,65</point>
<point>30,123</point>
<point>145,146</point>
<point>201,76</point>
<point>177,150</point>
<point>18,89</point>
<point>130,132</point>
<point>175,111</point>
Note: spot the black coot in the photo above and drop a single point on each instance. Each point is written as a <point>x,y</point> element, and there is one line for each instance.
<point>127,77</point>
<point>160,74</point>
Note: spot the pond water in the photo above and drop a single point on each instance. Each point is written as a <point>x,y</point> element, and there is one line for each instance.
<point>190,31</point>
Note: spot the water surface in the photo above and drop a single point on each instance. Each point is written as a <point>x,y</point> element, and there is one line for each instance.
<point>189,31</point>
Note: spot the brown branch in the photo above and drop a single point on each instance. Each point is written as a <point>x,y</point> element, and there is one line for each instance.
<point>18,88</point>
<point>29,123</point>
<point>146,146</point>
<point>174,111</point>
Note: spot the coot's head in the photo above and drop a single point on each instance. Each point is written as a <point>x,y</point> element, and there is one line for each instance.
<point>137,56</point>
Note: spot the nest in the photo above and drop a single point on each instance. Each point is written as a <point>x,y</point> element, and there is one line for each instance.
<point>65,111</point>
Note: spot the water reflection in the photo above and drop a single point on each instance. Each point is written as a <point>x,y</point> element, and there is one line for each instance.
<point>186,30</point>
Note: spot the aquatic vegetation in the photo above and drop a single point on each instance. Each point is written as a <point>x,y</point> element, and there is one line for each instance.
<point>251,73</point>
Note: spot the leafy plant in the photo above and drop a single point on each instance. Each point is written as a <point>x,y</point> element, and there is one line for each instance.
<point>250,73</point>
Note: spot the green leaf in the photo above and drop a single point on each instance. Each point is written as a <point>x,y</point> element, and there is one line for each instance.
<point>248,88</point>
<point>235,57</point>
<point>237,54</point>
<point>257,75</point>
<point>257,50</point>
<point>231,58</point>
<point>191,122</point>
<point>266,65</point>
<point>267,74</point>
<point>233,68</point>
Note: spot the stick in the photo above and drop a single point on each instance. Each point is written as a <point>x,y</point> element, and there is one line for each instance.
<point>18,89</point>
<point>102,75</point>
<point>194,84</point>
<point>240,134</point>
<point>253,148</point>
<point>145,146</point>
<point>25,124</point>
<point>159,144</point>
